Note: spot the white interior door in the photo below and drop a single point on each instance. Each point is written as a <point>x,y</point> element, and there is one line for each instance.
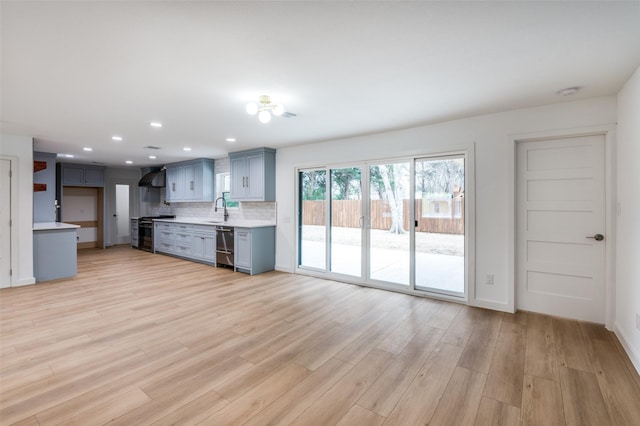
<point>560,209</point>
<point>5,218</point>
<point>122,217</point>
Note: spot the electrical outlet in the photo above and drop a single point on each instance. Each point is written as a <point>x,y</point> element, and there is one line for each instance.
<point>638,321</point>
<point>489,279</point>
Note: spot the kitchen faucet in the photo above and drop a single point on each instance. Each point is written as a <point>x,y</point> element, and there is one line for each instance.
<point>224,205</point>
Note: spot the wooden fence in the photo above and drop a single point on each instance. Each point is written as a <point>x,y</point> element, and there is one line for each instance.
<point>346,213</point>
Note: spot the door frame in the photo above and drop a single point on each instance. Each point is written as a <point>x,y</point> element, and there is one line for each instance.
<point>13,212</point>
<point>608,131</point>
<point>134,203</point>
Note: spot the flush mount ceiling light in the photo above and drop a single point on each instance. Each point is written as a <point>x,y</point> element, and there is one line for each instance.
<point>156,124</point>
<point>264,108</point>
<point>117,138</point>
<point>569,91</point>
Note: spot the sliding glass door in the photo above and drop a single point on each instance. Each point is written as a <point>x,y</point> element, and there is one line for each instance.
<point>397,224</point>
<point>312,219</point>
<point>439,224</point>
<point>346,218</point>
<point>388,224</point>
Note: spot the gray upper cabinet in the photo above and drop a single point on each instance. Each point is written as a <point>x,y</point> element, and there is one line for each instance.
<point>253,175</point>
<point>81,175</point>
<point>190,181</point>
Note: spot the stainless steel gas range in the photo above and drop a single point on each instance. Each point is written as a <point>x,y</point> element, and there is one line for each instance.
<point>145,231</point>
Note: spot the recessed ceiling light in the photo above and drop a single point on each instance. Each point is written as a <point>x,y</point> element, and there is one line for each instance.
<point>117,138</point>
<point>569,91</point>
<point>186,148</point>
<point>155,124</point>
<point>129,162</point>
<point>153,157</point>
<point>230,139</point>
<point>87,149</point>
<point>69,155</point>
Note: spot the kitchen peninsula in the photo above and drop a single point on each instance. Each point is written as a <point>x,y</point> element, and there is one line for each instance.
<point>54,250</point>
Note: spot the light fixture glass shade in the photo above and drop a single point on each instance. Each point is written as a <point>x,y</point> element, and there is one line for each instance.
<point>278,109</point>
<point>252,108</point>
<point>264,117</point>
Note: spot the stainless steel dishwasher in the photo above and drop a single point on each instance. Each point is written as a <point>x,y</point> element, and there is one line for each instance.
<point>224,246</point>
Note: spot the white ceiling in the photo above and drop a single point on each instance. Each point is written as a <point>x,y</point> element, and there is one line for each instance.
<point>76,73</point>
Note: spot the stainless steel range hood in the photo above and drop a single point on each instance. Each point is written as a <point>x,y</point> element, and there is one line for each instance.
<point>154,179</point>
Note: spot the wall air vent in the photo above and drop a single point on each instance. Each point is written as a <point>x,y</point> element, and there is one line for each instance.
<point>152,147</point>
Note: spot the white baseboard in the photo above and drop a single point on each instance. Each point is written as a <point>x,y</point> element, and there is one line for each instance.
<point>633,355</point>
<point>286,269</point>
<point>24,281</point>
<point>490,304</point>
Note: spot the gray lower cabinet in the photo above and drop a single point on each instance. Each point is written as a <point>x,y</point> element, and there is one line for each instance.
<point>54,254</point>
<point>134,233</point>
<point>191,242</point>
<point>255,249</point>
<point>204,244</point>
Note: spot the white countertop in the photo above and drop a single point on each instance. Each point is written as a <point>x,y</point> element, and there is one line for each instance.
<point>48,226</point>
<point>237,223</point>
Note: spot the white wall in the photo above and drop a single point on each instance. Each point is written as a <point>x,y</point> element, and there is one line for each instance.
<point>21,148</point>
<point>494,159</point>
<point>628,223</point>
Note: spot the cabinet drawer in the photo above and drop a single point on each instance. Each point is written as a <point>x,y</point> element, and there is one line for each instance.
<point>165,235</point>
<point>165,246</point>
<point>182,250</point>
<point>183,237</point>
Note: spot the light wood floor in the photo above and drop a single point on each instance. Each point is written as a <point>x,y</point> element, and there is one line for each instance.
<point>138,338</point>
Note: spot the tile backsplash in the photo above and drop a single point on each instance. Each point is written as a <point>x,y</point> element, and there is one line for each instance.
<point>247,210</point>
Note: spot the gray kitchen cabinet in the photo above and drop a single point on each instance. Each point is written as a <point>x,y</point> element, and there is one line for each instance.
<point>163,238</point>
<point>54,253</point>
<point>191,242</point>
<point>81,175</point>
<point>204,244</point>
<point>190,181</point>
<point>253,175</point>
<point>255,249</point>
<point>133,232</point>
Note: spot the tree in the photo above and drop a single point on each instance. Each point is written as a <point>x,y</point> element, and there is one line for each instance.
<point>314,184</point>
<point>387,181</point>
<point>346,183</point>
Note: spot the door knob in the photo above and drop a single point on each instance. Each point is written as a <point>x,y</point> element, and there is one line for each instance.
<point>598,237</point>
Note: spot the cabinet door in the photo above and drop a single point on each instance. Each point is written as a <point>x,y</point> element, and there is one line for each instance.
<point>175,184</point>
<point>72,176</point>
<point>94,177</point>
<point>193,182</point>
<point>204,247</point>
<point>255,177</point>
<point>238,178</point>
<point>243,248</point>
